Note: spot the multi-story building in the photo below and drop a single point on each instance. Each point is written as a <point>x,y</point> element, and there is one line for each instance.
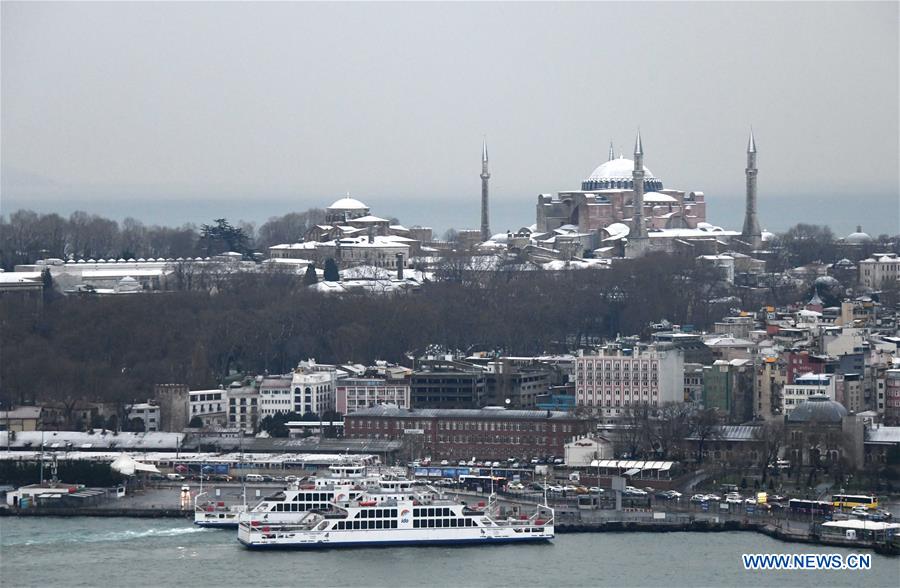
<point>275,395</point>
<point>243,407</point>
<point>693,383</point>
<point>810,384</point>
<point>313,389</point>
<point>515,386</point>
<point>892,397</point>
<point>448,384</point>
<point>879,270</point>
<point>854,398</point>
<point>618,377</point>
<point>770,379</point>
<point>353,394</point>
<point>489,433</point>
<point>148,413</point>
<point>799,362</point>
<point>728,387</point>
<point>209,406</point>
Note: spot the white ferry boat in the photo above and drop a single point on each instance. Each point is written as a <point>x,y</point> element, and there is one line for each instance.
<point>422,520</point>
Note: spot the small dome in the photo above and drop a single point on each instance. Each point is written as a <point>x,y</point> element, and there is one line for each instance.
<point>820,409</point>
<point>767,236</point>
<point>347,203</point>
<point>858,238</point>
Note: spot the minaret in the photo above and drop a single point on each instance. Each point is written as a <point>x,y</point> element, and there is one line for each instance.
<point>485,176</point>
<point>751,233</point>
<point>612,154</point>
<point>638,231</point>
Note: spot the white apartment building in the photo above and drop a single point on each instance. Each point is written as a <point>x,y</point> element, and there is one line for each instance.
<point>618,377</point>
<point>313,391</point>
<point>208,405</point>
<point>353,394</point>
<point>243,407</point>
<point>275,395</point>
<point>879,270</point>
<point>809,385</point>
<point>149,413</point>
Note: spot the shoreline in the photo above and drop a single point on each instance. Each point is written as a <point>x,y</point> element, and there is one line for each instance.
<point>696,526</point>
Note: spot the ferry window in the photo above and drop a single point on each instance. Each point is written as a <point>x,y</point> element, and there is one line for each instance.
<point>393,524</point>
<point>394,512</point>
<point>356,524</point>
<point>431,512</point>
<point>378,524</point>
<point>416,524</point>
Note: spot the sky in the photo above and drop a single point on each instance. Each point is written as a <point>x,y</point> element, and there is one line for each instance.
<point>184,112</point>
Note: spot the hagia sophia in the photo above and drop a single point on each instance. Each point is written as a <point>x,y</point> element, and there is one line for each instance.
<point>623,210</point>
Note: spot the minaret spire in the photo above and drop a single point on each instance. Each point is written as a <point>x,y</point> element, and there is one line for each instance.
<point>638,231</point>
<point>751,233</point>
<point>485,176</point>
<point>612,154</point>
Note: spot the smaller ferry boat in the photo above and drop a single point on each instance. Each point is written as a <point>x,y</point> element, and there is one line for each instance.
<point>342,482</point>
<point>215,513</point>
<point>420,519</point>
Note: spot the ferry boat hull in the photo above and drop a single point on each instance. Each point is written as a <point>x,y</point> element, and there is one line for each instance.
<point>259,540</point>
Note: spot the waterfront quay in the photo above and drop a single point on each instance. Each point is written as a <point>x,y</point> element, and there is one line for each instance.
<point>175,500</point>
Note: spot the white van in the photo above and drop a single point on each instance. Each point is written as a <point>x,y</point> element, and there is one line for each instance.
<point>176,477</point>
<point>254,478</point>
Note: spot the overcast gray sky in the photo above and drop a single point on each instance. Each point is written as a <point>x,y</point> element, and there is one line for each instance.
<point>177,112</point>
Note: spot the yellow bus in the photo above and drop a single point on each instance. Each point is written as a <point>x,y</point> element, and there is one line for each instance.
<point>854,500</point>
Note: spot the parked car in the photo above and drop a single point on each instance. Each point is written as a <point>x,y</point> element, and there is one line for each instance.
<point>596,490</point>
<point>699,498</point>
<point>176,477</point>
<point>669,495</point>
<point>632,491</point>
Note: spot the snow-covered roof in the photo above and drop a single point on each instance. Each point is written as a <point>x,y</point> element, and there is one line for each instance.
<point>19,277</point>
<point>347,203</point>
<point>658,197</point>
<point>113,272</point>
<point>370,219</point>
<point>618,169</point>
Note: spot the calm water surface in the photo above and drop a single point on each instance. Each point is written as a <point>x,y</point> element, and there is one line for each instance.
<point>144,552</point>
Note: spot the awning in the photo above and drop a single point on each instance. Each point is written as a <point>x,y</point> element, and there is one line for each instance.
<point>128,466</point>
<point>632,472</point>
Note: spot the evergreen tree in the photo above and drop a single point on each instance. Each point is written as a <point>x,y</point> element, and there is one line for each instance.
<point>310,278</point>
<point>331,271</point>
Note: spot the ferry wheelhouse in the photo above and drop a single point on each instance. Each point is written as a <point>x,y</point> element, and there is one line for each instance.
<point>419,519</point>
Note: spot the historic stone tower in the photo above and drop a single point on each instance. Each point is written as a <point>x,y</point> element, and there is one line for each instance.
<point>485,176</point>
<point>751,234</point>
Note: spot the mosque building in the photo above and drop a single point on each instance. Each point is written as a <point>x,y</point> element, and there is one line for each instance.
<point>624,210</point>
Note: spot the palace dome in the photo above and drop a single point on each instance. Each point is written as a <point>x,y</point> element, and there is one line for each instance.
<point>616,174</point>
<point>348,203</point>
<point>858,238</point>
<point>820,409</point>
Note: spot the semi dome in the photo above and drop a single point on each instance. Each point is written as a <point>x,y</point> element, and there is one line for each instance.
<point>348,203</point>
<point>616,174</point>
<point>820,409</point>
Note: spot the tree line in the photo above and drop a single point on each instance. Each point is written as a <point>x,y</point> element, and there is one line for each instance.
<point>117,348</point>
<point>26,236</point>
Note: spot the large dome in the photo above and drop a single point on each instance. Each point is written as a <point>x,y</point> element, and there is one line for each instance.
<point>348,203</point>
<point>820,409</point>
<point>616,174</point>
